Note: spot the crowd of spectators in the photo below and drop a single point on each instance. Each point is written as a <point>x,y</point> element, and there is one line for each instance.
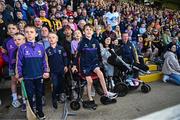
<point>152,30</point>
<point>157,27</point>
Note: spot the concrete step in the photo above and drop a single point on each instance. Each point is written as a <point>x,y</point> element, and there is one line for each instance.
<point>154,76</point>
<point>146,59</point>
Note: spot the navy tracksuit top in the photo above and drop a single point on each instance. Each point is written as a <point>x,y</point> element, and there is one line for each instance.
<point>89,52</point>
<point>57,59</point>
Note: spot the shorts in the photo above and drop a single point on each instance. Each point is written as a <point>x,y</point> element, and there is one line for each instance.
<point>88,70</point>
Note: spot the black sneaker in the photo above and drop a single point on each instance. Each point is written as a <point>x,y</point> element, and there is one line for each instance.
<point>93,103</point>
<point>54,103</point>
<point>41,116</point>
<point>89,104</point>
<point>105,100</point>
<point>23,109</point>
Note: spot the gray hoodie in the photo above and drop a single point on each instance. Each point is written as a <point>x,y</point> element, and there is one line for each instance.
<point>171,64</point>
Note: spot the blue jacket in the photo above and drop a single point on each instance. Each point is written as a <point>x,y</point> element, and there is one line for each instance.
<point>89,52</point>
<point>57,59</point>
<point>128,52</point>
<point>31,61</point>
<point>6,16</point>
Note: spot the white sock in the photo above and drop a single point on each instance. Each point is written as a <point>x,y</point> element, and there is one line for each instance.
<point>24,100</point>
<point>14,96</point>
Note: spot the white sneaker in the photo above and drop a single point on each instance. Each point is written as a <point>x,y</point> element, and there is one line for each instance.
<point>62,97</point>
<point>111,95</point>
<point>16,103</point>
<point>148,72</point>
<point>165,78</point>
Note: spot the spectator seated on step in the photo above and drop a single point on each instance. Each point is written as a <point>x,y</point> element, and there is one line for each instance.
<point>171,67</point>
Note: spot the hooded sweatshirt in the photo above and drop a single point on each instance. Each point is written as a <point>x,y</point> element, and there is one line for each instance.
<point>171,64</point>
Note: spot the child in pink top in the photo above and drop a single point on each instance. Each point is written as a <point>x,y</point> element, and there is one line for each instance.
<point>72,24</point>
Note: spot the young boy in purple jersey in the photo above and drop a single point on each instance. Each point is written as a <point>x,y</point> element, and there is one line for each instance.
<point>32,67</point>
<point>9,53</point>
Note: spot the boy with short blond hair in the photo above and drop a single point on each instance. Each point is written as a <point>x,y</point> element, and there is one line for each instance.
<point>57,59</point>
<point>19,39</point>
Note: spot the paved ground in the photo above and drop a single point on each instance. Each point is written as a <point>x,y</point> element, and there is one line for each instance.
<point>134,105</point>
<point>172,113</point>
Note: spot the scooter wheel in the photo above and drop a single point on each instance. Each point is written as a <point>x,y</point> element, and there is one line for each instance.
<point>145,88</point>
<point>121,89</point>
<point>149,87</point>
<point>75,105</point>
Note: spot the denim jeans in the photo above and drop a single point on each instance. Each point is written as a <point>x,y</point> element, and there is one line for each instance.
<point>175,78</point>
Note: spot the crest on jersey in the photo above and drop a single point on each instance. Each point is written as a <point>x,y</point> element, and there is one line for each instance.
<point>27,52</point>
<point>11,47</point>
<point>85,45</point>
<point>59,51</point>
<point>49,52</point>
<point>39,52</point>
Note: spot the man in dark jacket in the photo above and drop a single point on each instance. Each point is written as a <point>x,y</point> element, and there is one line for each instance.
<point>6,17</point>
<point>128,53</point>
<point>3,32</point>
